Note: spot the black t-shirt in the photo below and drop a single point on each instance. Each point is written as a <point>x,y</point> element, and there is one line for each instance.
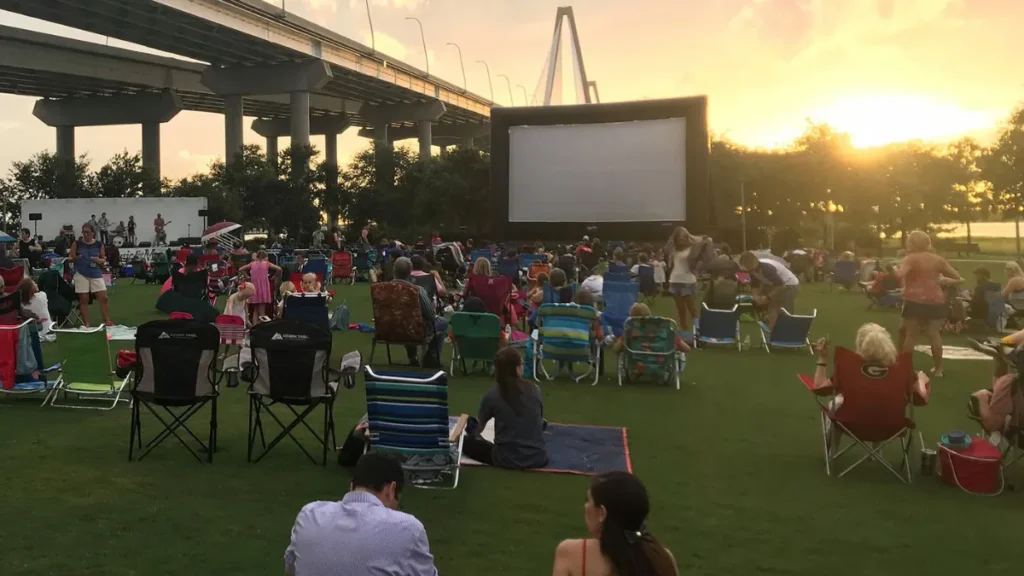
<point>25,251</point>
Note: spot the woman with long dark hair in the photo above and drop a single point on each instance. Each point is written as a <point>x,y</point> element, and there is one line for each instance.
<point>518,412</point>
<point>616,514</point>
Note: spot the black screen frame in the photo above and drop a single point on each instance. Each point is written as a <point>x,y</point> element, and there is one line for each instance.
<point>697,158</point>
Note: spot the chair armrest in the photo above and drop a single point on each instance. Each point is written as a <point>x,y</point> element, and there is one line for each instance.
<point>808,382</point>
<point>460,426</point>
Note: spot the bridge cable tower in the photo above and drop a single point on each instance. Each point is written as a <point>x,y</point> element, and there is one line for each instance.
<point>549,87</point>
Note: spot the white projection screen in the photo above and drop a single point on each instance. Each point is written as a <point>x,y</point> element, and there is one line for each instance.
<point>631,171</point>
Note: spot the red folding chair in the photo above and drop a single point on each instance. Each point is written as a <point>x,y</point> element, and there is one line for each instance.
<point>341,264</point>
<point>495,292</point>
<point>231,328</point>
<point>877,408</point>
<point>12,276</point>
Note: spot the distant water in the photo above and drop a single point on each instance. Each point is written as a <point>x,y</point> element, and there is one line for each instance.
<point>983,230</point>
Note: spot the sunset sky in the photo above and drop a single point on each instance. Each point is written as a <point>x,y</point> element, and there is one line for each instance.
<point>883,70</point>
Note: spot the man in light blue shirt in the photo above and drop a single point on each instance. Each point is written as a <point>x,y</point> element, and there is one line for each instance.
<point>365,533</point>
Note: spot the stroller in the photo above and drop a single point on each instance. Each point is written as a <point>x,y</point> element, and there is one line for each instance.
<point>449,258</point>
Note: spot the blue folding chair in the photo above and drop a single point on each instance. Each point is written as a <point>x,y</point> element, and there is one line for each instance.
<point>307,307</point>
<point>509,267</point>
<point>718,327</point>
<point>618,297</point>
<point>616,277</point>
<point>481,253</point>
<point>996,316</point>
<point>565,333</point>
<point>790,331</point>
<point>407,416</point>
<point>648,287</point>
<point>525,260</point>
<point>845,274</point>
<point>318,266</point>
<point>618,269</point>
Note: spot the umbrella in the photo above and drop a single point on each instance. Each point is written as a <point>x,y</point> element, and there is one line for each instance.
<point>217,230</point>
<point>5,237</point>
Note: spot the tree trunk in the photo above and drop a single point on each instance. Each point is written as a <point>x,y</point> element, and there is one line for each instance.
<point>968,231</point>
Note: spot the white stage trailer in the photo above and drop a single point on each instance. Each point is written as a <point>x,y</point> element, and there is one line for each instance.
<point>181,214</point>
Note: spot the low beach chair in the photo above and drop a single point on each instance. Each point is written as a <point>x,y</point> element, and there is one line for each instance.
<point>649,350</point>
<point>407,416</point>
<point>790,332</point>
<point>718,327</point>
<point>87,374</point>
<point>22,372</point>
<point>475,337</point>
<point>877,409</point>
<point>565,333</point>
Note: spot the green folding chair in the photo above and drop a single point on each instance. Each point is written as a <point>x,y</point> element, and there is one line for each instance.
<point>87,373</point>
<point>475,337</point>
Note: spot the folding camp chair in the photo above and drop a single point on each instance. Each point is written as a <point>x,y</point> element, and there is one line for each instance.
<point>536,269</point>
<point>616,277</point>
<point>565,333</point>
<point>291,370</point>
<point>10,308</point>
<point>618,297</point>
<point>481,253</point>
<point>342,265</point>
<point>87,373</point>
<point>160,268</point>
<point>61,300</point>
<point>718,327</point>
<point>11,278</point>
<point>22,372</point>
<point>649,349</point>
<point>319,267</point>
<point>407,416</point>
<point>845,274</point>
<point>176,371</point>
<point>496,294</point>
<point>363,264</point>
<point>551,296</point>
<point>310,307</point>
<point>790,331</point>
<point>140,270</point>
<point>194,285</point>
<point>648,287</point>
<point>509,268</point>
<point>397,316</point>
<point>618,270</point>
<point>475,337</point>
<point>877,407</point>
<point>527,260</point>
<point>429,285</point>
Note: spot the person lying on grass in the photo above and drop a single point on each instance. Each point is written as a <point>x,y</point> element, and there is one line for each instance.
<point>517,408</point>
<point>615,513</point>
<point>641,310</point>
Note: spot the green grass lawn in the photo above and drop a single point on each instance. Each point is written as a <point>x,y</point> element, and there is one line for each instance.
<point>733,462</point>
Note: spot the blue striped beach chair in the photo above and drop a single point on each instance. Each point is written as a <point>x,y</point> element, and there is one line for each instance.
<point>565,333</point>
<point>407,416</point>
<point>791,331</point>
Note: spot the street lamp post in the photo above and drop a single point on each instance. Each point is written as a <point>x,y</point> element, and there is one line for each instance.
<point>511,100</point>
<point>461,63</point>
<point>369,17</point>
<point>422,39</point>
<point>490,85</point>
<point>526,99</point>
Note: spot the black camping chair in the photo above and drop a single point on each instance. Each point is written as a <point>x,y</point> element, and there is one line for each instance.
<point>176,372</point>
<point>194,285</point>
<point>430,285</point>
<point>290,368</point>
<point>140,271</point>
<point>307,307</point>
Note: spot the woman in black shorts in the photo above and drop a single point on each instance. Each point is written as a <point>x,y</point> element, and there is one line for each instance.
<point>925,309</point>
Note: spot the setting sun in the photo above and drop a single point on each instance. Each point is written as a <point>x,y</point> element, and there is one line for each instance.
<point>876,120</point>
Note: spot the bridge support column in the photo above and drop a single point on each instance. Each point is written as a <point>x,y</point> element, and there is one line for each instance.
<point>151,148</point>
<point>423,129</point>
<point>233,128</point>
<point>331,149</point>
<point>468,143</point>
<point>444,151</point>
<point>66,144</point>
<point>272,150</point>
<point>148,109</point>
<point>300,119</point>
<point>328,126</point>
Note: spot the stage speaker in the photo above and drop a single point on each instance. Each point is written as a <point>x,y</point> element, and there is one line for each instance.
<point>35,216</point>
<point>204,213</point>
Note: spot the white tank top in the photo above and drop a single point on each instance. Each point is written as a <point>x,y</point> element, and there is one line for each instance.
<point>681,272</point>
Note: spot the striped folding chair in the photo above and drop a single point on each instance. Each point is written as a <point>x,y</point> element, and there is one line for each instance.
<point>791,331</point>
<point>565,333</point>
<point>407,416</point>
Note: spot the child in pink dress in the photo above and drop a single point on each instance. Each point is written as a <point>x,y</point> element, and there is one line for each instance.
<point>259,274</point>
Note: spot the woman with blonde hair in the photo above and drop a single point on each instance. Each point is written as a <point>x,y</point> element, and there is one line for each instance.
<point>874,344</point>
<point>482,267</point>
<point>924,274</point>
<point>683,252</point>
<point>1014,284</point>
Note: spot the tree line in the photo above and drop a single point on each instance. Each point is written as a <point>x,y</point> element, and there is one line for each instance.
<point>791,195</point>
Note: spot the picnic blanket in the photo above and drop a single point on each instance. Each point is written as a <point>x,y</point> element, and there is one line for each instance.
<point>955,353</point>
<point>575,449</point>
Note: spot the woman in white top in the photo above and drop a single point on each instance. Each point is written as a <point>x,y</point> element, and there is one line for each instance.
<point>35,302</point>
<point>682,253</point>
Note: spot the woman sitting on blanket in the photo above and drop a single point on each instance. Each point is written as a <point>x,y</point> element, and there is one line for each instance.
<point>616,515</point>
<point>518,412</point>
<point>874,344</point>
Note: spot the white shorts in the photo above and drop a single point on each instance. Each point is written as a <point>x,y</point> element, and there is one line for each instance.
<point>85,285</point>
